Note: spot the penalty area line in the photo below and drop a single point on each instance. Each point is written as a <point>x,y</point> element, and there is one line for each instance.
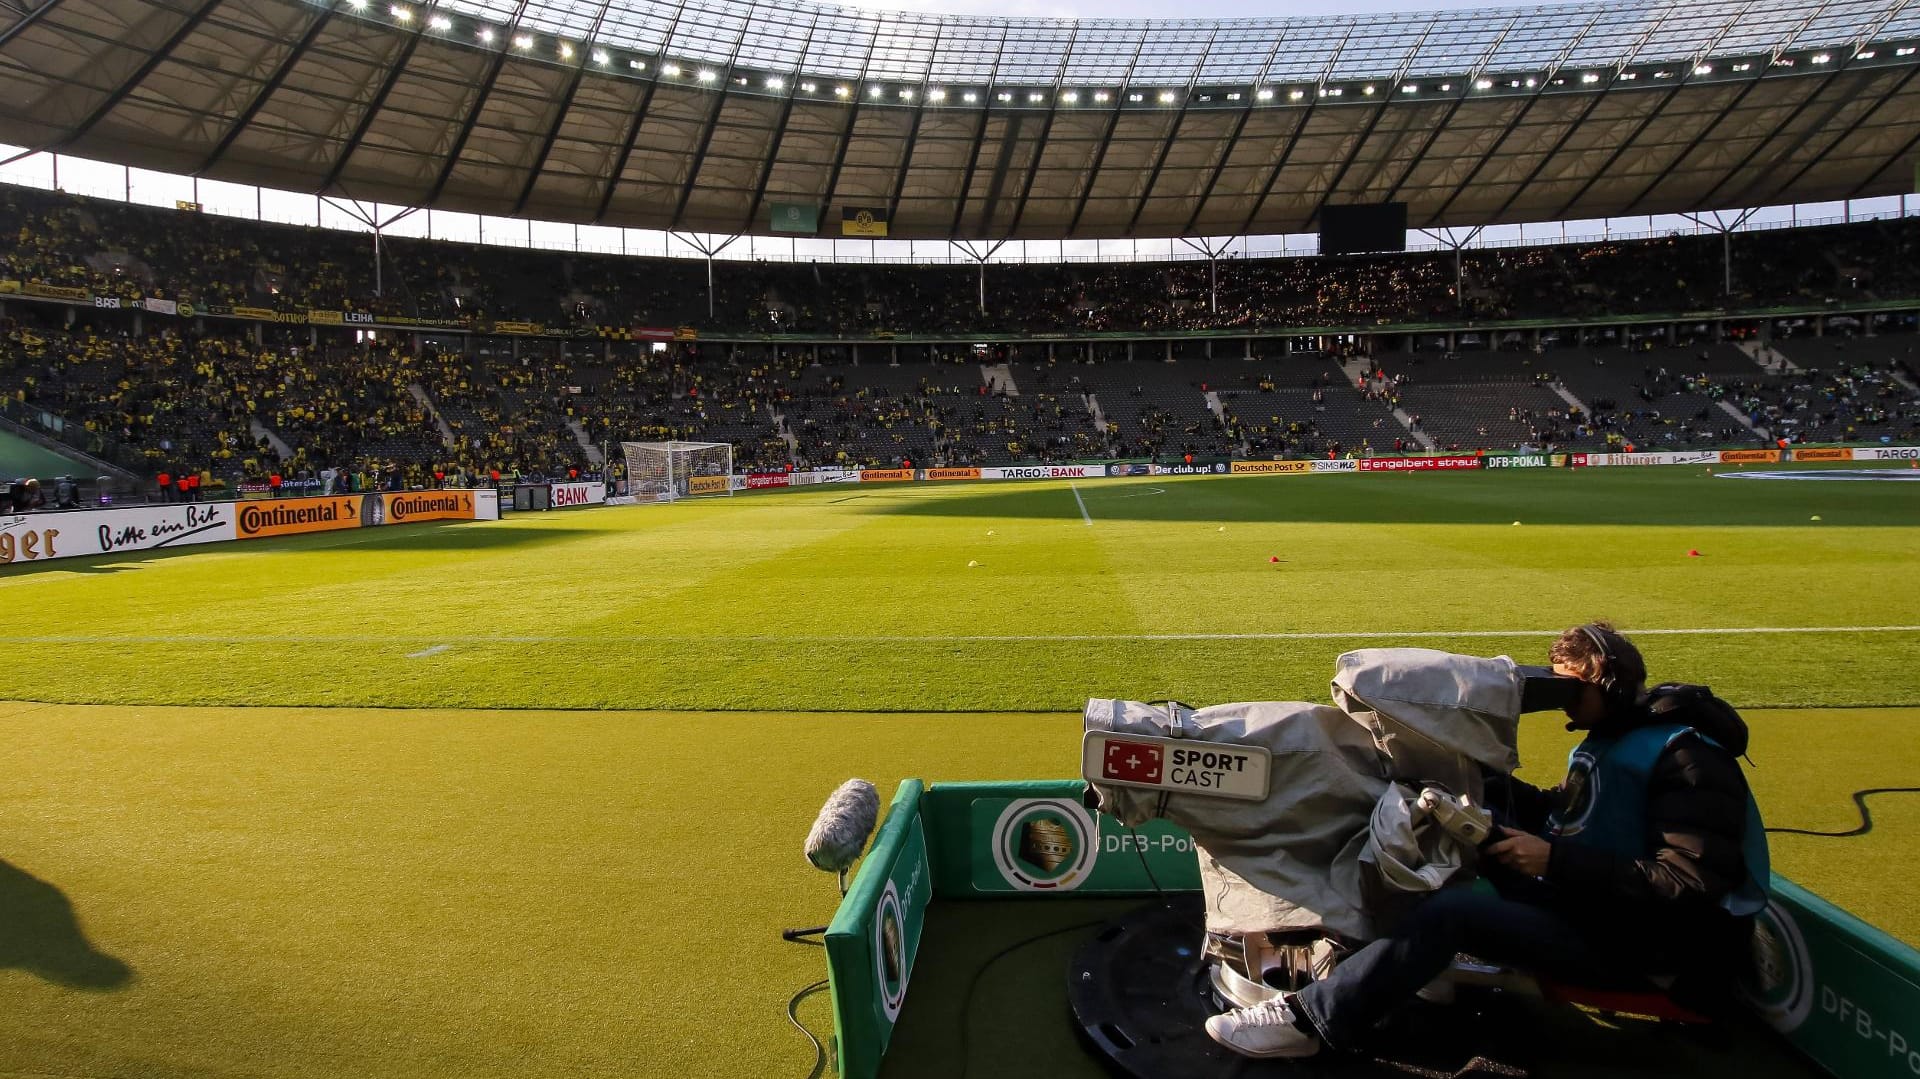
<point>1084,515</point>
<point>448,642</point>
<point>434,651</point>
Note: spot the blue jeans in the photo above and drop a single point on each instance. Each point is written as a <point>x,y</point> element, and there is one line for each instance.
<point>1380,977</point>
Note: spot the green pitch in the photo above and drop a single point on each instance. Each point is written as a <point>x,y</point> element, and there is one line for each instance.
<point>1001,597</point>
<point>425,888</point>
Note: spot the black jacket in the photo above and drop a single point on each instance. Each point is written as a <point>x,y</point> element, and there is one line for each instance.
<point>1669,899</point>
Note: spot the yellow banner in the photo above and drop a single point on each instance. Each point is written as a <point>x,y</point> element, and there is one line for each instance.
<point>56,292</point>
<point>399,509</point>
<point>1268,468</point>
<point>256,312</point>
<point>522,328</point>
<point>289,516</point>
<point>707,485</point>
<point>864,221</point>
<point>327,318</point>
<point>9,288</point>
<point>1738,457</point>
<point>1817,454</point>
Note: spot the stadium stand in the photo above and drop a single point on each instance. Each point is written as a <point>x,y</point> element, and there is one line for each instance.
<point>243,401</point>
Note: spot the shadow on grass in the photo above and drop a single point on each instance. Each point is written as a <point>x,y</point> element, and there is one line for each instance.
<point>1680,496</point>
<point>423,536</point>
<point>40,935</point>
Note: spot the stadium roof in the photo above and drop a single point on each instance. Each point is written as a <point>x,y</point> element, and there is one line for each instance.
<point>708,115</point>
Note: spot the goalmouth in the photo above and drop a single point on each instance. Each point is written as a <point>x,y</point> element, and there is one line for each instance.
<point>669,471</point>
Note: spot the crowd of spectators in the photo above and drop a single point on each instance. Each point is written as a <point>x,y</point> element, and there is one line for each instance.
<point>208,399</point>
<point>136,252</point>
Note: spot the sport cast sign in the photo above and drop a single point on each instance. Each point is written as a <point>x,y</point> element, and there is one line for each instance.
<point>1179,765</point>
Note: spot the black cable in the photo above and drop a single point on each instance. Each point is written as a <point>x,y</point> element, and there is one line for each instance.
<point>973,983</point>
<point>1866,816</point>
<point>793,1005</point>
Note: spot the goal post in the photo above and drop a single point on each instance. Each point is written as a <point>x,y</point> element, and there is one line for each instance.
<point>669,471</point>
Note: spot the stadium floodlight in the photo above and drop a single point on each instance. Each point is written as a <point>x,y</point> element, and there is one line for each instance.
<point>1070,96</point>
<point>1822,58</point>
<point>1166,97</point>
<point>670,471</point>
<point>403,14</point>
<point>1483,84</point>
<point>906,95</point>
<point>1233,96</point>
<point>1264,95</point>
<point>969,97</point>
<point>1446,88</point>
<point>1035,98</point>
<point>874,91</point>
<point>600,57</point>
<point>809,87</point>
<point>1102,96</point>
<point>1409,88</point>
<point>636,65</point>
<point>524,41</point>
<point>1629,76</point>
<point>841,91</point>
<point>440,22</point>
<point>1865,54</point>
<point>1703,69</point>
<point>357,4</point>
<point>1004,96</point>
<point>485,34</point>
<point>1367,90</point>
<point>1907,51</point>
<point>1590,78</point>
<point>776,84</point>
<point>670,70</point>
<point>566,51</point>
<point>1743,67</point>
<point>706,75</point>
<point>936,95</point>
<point>1296,95</point>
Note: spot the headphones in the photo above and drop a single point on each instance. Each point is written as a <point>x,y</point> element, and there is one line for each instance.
<point>1617,694</point>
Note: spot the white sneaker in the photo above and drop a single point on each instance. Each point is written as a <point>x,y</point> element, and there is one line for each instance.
<point>1264,1030</point>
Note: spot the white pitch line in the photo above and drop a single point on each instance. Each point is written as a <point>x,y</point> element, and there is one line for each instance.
<point>1008,638</point>
<point>425,652</point>
<point>1083,504</point>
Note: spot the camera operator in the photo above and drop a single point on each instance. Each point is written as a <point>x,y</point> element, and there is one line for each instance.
<point>1648,860</point>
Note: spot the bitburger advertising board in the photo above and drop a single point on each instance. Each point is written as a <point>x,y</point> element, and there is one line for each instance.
<point>38,537</point>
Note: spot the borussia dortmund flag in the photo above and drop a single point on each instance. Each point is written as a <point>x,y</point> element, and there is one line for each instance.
<point>795,217</point>
<point>863,221</point>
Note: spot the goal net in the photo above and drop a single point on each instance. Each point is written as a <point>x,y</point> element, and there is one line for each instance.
<point>666,471</point>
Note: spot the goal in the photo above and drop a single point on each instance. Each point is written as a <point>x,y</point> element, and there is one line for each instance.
<point>666,471</point>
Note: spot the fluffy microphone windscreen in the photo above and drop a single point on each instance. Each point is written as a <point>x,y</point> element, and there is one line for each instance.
<point>840,831</point>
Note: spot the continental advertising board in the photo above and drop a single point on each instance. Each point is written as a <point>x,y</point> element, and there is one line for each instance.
<point>40,537</point>
<point>1818,453</point>
<point>292,516</point>
<point>1749,457</point>
<point>953,473</point>
<point>406,507</point>
<point>885,475</point>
